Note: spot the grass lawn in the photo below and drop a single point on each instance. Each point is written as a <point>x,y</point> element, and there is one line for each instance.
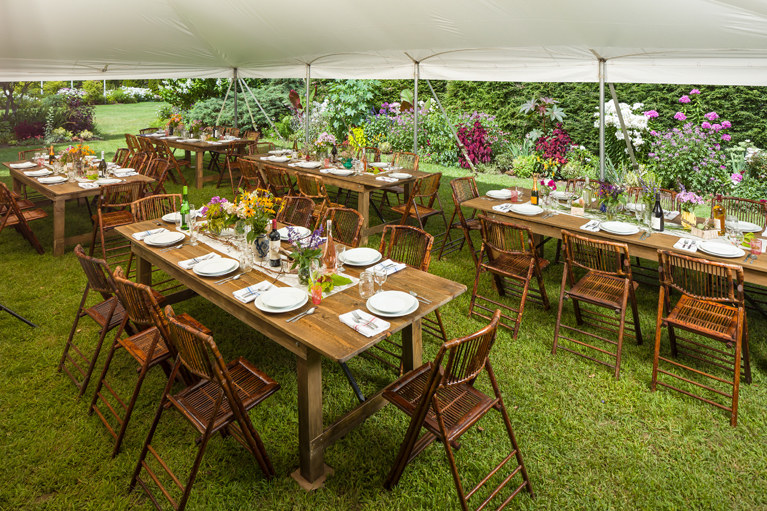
<point>589,442</point>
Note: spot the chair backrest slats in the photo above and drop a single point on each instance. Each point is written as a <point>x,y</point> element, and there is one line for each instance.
<point>467,356</point>
<point>700,278</point>
<point>406,244</point>
<point>346,223</point>
<point>408,161</point>
<point>140,303</point>
<point>97,272</point>
<point>746,210</point>
<point>505,237</point>
<point>296,211</point>
<point>155,206</point>
<point>596,255</point>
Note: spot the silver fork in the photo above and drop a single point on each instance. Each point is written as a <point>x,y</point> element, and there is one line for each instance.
<point>747,258</point>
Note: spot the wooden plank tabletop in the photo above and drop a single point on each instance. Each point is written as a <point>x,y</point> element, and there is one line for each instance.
<point>322,331</point>
<point>755,273</point>
<point>198,145</point>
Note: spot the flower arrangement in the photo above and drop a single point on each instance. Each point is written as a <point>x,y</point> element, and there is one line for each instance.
<point>174,121</point>
<point>195,127</point>
<point>76,153</point>
<point>324,141</point>
<point>249,209</point>
<point>216,214</point>
<point>688,200</point>
<point>610,197</point>
<point>306,250</point>
<point>549,184</point>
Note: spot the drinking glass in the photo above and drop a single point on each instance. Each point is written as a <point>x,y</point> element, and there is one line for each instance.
<point>731,223</point>
<point>244,252</point>
<point>340,249</point>
<point>756,247</point>
<point>178,221</point>
<point>367,285</point>
<point>192,222</point>
<point>380,278</point>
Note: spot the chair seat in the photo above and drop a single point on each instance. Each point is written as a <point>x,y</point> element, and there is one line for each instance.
<point>423,211</point>
<point>100,311</point>
<point>138,346</point>
<point>29,215</point>
<point>600,289</point>
<point>462,405</point>
<point>512,264</point>
<point>198,401</point>
<point>709,318</point>
<point>182,162</point>
<point>115,218</point>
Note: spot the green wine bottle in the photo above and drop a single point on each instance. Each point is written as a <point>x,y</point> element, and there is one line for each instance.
<point>184,209</point>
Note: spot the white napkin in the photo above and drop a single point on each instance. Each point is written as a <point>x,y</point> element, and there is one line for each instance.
<point>37,173</point>
<point>88,185</point>
<point>369,326</point>
<point>503,208</point>
<point>24,165</point>
<point>141,235</point>
<point>188,264</point>
<point>591,226</point>
<point>250,293</point>
<point>325,171</point>
<point>129,173</point>
<point>389,266</point>
<point>387,179</point>
<point>687,245</point>
<point>670,215</point>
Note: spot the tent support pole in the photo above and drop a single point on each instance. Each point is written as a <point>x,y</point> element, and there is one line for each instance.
<point>601,119</point>
<point>417,75</point>
<point>618,112</point>
<point>247,105</point>
<point>226,96</point>
<point>452,128</point>
<point>307,106</point>
<point>236,116</point>
<point>245,86</point>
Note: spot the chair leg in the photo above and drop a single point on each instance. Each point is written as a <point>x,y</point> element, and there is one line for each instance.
<point>635,314</point>
<point>656,353</point>
<point>559,311</point>
<point>621,330</point>
<point>129,411</point>
<point>476,284</point>
<point>73,330</point>
<point>451,462</point>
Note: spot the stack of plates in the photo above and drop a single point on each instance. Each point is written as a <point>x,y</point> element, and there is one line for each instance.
<point>171,218</point>
<point>308,164</point>
<point>400,175</point>
<point>215,267</point>
<point>298,230</point>
<point>561,195</point>
<point>280,151</point>
<point>619,228</point>
<point>341,172</point>
<point>392,304</point>
<point>526,209</point>
<point>499,194</point>
<point>720,249</point>
<point>164,239</point>
<point>744,226</point>
<point>52,180</point>
<point>281,299</point>
<point>38,173</point>
<point>362,256</point>
<point>108,181</point>
<point>380,164</point>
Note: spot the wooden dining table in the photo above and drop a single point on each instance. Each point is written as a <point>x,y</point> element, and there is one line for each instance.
<point>311,338</point>
<point>59,195</point>
<point>364,184</point>
<point>199,148</point>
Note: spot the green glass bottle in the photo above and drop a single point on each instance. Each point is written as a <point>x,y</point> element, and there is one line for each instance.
<point>184,209</point>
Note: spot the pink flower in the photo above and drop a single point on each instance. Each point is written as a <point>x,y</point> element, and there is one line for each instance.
<point>736,178</point>
<point>726,137</point>
<point>726,124</point>
<point>716,127</point>
<point>679,116</point>
<point>684,99</point>
<point>695,91</point>
<point>706,125</point>
<point>712,116</point>
<point>651,114</point>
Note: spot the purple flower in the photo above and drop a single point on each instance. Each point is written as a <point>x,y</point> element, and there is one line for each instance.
<point>712,116</point>
<point>706,125</point>
<point>736,178</point>
<point>726,137</point>
<point>716,127</point>
<point>679,116</point>
<point>684,99</point>
<point>695,91</point>
<point>651,114</point>
<point>726,124</point>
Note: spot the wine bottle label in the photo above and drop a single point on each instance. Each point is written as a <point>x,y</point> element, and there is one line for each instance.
<point>656,223</point>
<point>274,252</point>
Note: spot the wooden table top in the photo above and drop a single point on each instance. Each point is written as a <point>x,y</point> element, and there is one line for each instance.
<point>198,145</point>
<point>755,272</point>
<point>66,190</point>
<point>366,180</point>
<point>322,331</point>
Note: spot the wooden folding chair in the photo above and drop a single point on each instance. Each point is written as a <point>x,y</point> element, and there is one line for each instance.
<point>232,164</point>
<point>122,156</point>
<point>408,162</point>
<point>463,189</point>
<point>12,215</point>
<point>424,202</point>
<point>27,194</point>
<point>607,283</point>
<point>513,262</point>
<point>347,224</point>
<point>218,402</point>
<point>442,400</point>
<point>157,169</point>
<point>165,151</point>
<point>250,176</point>
<point>296,211</point>
<point>261,147</point>
<point>113,210</point>
<point>144,131</point>
<point>107,314</point>
<point>313,187</point>
<point>711,305</point>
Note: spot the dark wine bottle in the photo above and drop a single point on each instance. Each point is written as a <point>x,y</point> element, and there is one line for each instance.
<point>334,153</point>
<point>274,246</point>
<point>657,215</point>
<point>102,166</point>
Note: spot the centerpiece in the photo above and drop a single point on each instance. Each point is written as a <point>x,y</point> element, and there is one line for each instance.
<point>687,201</point>
<point>306,252</point>
<point>175,122</point>
<point>611,199</point>
<point>324,143</point>
<point>75,155</point>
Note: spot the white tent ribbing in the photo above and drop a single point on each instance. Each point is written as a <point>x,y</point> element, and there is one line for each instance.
<point>654,41</point>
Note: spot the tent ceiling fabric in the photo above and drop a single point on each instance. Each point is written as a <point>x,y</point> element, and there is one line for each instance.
<point>678,41</point>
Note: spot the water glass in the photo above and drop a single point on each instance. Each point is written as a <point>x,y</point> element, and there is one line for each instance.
<point>756,246</point>
<point>380,278</point>
<point>192,222</point>
<point>244,253</point>
<point>340,249</point>
<point>367,285</point>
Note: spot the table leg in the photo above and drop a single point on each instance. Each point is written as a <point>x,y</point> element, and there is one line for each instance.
<point>200,161</point>
<point>143,271</point>
<point>311,473</point>
<point>363,206</point>
<point>412,346</point>
<point>17,186</point>
<point>59,227</point>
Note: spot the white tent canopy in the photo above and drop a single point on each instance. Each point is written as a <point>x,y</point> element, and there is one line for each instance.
<point>654,41</point>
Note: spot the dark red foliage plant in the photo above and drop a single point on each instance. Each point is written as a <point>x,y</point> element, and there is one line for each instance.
<point>25,130</point>
<point>555,145</point>
<point>478,147</point>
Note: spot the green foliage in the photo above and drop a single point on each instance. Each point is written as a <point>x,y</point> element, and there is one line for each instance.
<point>53,87</point>
<point>349,103</point>
<point>524,166</point>
<point>207,112</point>
<point>184,93</point>
<point>94,90</point>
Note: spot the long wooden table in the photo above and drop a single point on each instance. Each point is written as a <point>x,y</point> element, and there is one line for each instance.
<point>59,194</point>
<point>199,148</point>
<point>318,335</point>
<point>755,273</point>
<point>364,184</point>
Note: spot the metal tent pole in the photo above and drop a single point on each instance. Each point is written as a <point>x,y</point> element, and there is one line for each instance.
<point>246,86</point>
<point>236,117</point>
<point>226,96</point>
<point>307,106</point>
<point>601,119</point>
<point>452,128</point>
<point>417,73</point>
<point>618,112</point>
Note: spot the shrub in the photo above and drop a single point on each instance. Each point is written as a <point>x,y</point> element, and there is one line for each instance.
<point>86,135</point>
<point>25,130</point>
<point>94,91</point>
<point>477,146</point>
<point>6,133</point>
<point>555,145</point>
<point>524,166</point>
<point>60,135</point>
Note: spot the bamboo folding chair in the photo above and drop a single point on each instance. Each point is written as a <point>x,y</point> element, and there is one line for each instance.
<point>277,181</point>
<point>463,189</point>
<point>13,215</point>
<point>250,176</point>
<point>607,283</point>
<point>218,403</point>
<point>407,162</point>
<point>421,203</point>
<point>113,210</point>
<point>711,305</point>
<point>158,170</point>
<point>144,131</point>
<point>313,187</point>
<point>32,195</point>
<point>347,224</point>
<point>165,151</point>
<point>296,211</point>
<point>441,398</point>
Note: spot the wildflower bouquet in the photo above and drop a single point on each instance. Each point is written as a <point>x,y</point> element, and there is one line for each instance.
<point>610,196</point>
<point>174,121</point>
<point>324,141</point>
<point>306,250</point>
<point>76,153</point>
<point>688,200</point>
<point>254,209</point>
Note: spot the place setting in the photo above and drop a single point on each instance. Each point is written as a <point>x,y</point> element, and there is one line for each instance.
<point>279,300</point>
<point>361,256</point>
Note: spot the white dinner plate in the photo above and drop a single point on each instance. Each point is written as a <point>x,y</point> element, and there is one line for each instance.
<point>52,180</point>
<point>301,231</point>
<point>362,256</point>
<point>309,164</point>
<point>392,302</point>
<point>283,297</point>
<point>215,267</point>
<point>499,194</point>
<point>341,172</point>
<point>379,164</point>
<point>171,218</point>
<point>619,228</point>
<point>278,159</point>
<point>260,305</point>
<point>526,209</point>
<point>383,314</point>
<point>164,239</point>
<point>280,151</point>
<point>560,195</point>
<point>400,175</point>
<point>744,226</point>
<point>108,181</point>
<point>38,173</point>
<point>720,249</point>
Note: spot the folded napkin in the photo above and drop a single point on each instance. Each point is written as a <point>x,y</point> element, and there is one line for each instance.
<point>37,173</point>
<point>389,266</point>
<point>118,173</point>
<point>141,235</point>
<point>591,226</point>
<point>369,326</point>
<point>189,263</point>
<point>250,293</point>
<point>387,179</point>
<point>503,208</point>
<point>24,165</point>
<point>325,171</point>
<point>687,245</point>
<point>670,215</point>
<point>88,185</point>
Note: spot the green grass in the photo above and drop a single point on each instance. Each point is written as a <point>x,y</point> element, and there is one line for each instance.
<point>589,442</point>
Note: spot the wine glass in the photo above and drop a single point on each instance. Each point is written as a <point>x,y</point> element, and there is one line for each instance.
<point>380,276</point>
<point>366,284</point>
<point>340,249</point>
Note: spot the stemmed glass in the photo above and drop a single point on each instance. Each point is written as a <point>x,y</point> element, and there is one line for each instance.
<point>380,278</point>
<point>340,249</point>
